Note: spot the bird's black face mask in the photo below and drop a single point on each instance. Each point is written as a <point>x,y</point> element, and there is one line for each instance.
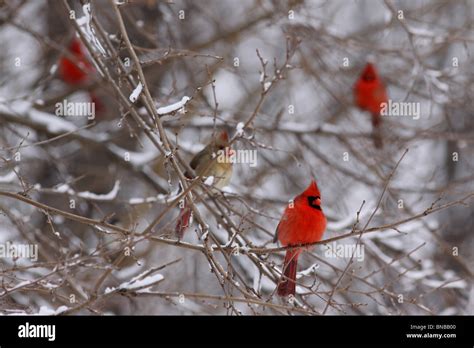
<point>314,202</point>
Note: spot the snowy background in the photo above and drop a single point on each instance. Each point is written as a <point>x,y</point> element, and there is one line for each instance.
<point>96,198</point>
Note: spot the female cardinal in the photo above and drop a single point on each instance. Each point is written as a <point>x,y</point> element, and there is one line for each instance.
<point>302,222</point>
<point>214,160</point>
<point>78,72</point>
<point>369,94</point>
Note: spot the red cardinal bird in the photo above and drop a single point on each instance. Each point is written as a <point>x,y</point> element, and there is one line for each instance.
<point>369,94</point>
<point>303,222</point>
<point>78,72</point>
<point>70,71</point>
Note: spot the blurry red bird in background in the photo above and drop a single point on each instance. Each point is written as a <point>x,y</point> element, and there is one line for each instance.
<point>369,94</point>
<point>78,72</point>
<point>75,72</point>
<point>303,222</point>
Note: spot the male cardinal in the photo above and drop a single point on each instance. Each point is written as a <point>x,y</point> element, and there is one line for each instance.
<point>369,94</point>
<point>78,72</point>
<point>302,222</point>
<point>75,72</point>
<point>214,160</point>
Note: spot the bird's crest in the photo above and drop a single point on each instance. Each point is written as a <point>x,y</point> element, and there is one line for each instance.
<point>369,73</point>
<point>312,189</point>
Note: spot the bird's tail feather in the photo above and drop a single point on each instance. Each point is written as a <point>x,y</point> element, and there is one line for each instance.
<point>287,284</point>
<point>183,220</point>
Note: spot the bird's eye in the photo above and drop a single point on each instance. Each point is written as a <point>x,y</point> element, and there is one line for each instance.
<point>369,77</point>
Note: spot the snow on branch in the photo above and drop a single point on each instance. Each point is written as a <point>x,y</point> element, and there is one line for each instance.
<point>176,107</point>
<point>65,188</point>
<point>84,23</point>
<point>139,282</point>
<point>23,112</point>
<point>136,93</point>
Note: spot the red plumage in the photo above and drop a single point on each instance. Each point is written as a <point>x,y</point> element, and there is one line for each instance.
<point>302,222</point>
<point>78,72</point>
<point>369,94</point>
<point>75,72</point>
